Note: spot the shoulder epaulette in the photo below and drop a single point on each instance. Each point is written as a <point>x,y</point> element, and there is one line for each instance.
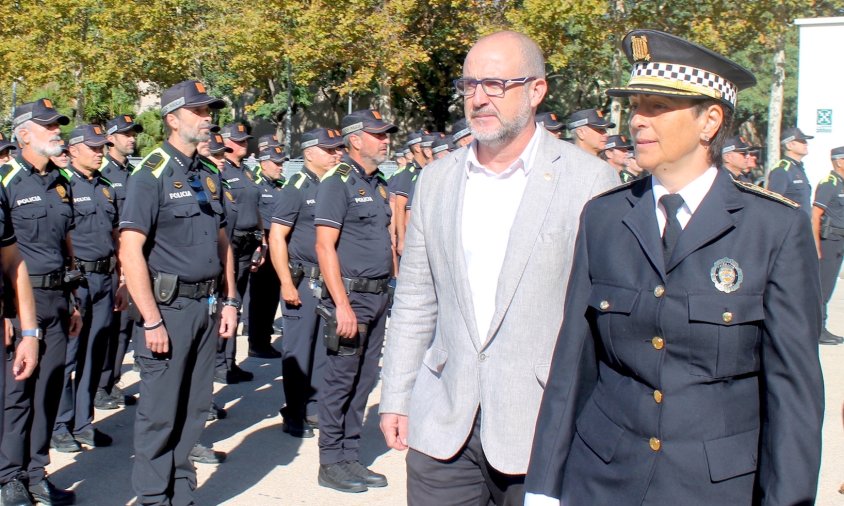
<point>154,162</point>
<point>106,181</point>
<point>104,163</point>
<point>342,169</point>
<point>618,188</point>
<point>9,171</point>
<point>297,180</point>
<point>210,166</point>
<point>382,178</point>
<point>783,164</point>
<point>67,173</point>
<point>830,178</point>
<point>758,190</point>
<point>399,171</point>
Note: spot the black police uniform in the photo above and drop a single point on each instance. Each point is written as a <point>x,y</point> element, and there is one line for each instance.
<point>7,238</point>
<point>829,196</point>
<point>241,196</point>
<point>788,178</point>
<point>264,286</point>
<point>401,183</point>
<point>176,204</point>
<point>357,204</point>
<point>95,218</point>
<point>303,354</point>
<point>42,213</point>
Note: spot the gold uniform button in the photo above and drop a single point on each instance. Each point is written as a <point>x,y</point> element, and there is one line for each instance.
<point>727,317</point>
<point>655,444</point>
<point>658,342</point>
<point>604,305</point>
<point>659,291</point>
<point>658,396</point>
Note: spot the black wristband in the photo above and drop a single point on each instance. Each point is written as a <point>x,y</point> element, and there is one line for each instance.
<point>154,325</point>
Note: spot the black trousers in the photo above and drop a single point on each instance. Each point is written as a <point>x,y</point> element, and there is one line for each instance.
<point>832,252</point>
<point>31,405</point>
<point>173,406</point>
<point>227,348</point>
<point>302,356</point>
<point>119,337</point>
<point>348,381</point>
<point>264,296</point>
<point>86,355</point>
<point>466,479</point>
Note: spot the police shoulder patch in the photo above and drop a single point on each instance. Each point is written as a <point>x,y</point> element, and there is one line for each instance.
<point>830,178</point>
<point>758,190</point>
<point>297,180</point>
<point>9,171</point>
<point>67,174</point>
<point>154,162</point>
<point>782,164</point>
<point>343,169</point>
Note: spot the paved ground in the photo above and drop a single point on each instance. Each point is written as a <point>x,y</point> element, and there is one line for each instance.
<point>267,467</point>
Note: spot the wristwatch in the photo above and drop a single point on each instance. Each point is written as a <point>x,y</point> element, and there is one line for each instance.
<point>36,333</point>
<point>229,301</point>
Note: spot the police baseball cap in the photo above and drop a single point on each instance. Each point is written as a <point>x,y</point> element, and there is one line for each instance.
<point>236,132</point>
<point>217,145</point>
<point>428,139</point>
<point>188,94</point>
<point>735,143</point>
<point>266,141</point>
<point>591,117</point>
<point>550,121</point>
<point>90,135</point>
<point>460,130</point>
<point>122,124</point>
<point>794,134</point>
<point>415,137</point>
<point>837,153</point>
<point>368,120</point>
<point>41,111</point>
<point>5,143</point>
<point>617,142</point>
<point>664,64</point>
<point>273,154</point>
<point>441,144</point>
<point>322,137</point>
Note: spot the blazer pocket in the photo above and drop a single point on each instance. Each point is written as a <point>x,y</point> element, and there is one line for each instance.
<point>732,456</point>
<point>726,334</point>
<point>541,371</point>
<point>435,359</point>
<point>599,433</point>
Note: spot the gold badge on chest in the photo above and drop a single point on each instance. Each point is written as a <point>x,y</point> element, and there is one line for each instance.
<point>726,275</point>
<point>210,184</point>
<point>107,193</point>
<point>382,192</point>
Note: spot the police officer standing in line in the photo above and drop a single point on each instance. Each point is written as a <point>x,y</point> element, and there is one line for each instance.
<point>461,134</point>
<point>589,130</point>
<point>215,151</point>
<point>24,343</point>
<point>439,149</point>
<point>828,229</point>
<point>264,287</point>
<point>303,353</point>
<point>95,245</point>
<point>618,152</point>
<point>122,133</point>
<point>400,185</point>
<point>6,147</point>
<point>62,159</point>
<point>355,258</point>
<point>735,155</point>
<point>549,121</point>
<point>788,177</point>
<point>42,214</point>
<point>174,249</point>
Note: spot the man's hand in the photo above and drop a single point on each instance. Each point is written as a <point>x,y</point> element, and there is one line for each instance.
<point>394,428</point>
<point>157,339</point>
<point>228,321</point>
<point>121,298</point>
<point>347,322</point>
<point>75,323</point>
<point>290,295</point>
<point>26,358</point>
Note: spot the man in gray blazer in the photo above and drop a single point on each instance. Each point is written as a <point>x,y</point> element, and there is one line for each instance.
<point>483,279</point>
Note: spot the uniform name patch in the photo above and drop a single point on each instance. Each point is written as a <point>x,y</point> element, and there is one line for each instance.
<point>363,199</point>
<point>82,199</point>
<point>310,202</point>
<point>180,195</point>
<point>28,200</point>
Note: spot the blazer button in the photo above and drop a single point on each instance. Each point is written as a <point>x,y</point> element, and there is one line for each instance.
<point>659,290</point>
<point>727,317</point>
<point>658,342</point>
<point>655,444</point>
<point>604,305</point>
<point>658,396</point>
<point>482,357</point>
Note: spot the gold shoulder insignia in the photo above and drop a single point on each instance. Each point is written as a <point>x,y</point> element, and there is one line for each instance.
<point>758,190</point>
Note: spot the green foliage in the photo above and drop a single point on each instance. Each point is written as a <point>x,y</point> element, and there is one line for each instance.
<point>153,134</point>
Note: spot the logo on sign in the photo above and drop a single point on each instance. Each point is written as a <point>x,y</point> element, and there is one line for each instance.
<point>824,120</point>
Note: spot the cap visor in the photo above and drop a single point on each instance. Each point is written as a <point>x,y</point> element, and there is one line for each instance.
<point>211,102</point>
<point>58,118</point>
<point>95,143</point>
<point>134,126</point>
<point>7,145</point>
<point>652,90</point>
<point>240,139</point>
<point>336,144</point>
<point>382,128</point>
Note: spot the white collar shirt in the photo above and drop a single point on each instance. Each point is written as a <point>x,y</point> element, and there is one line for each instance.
<point>693,194</point>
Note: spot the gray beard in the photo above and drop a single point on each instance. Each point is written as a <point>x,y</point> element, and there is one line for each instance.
<point>509,129</point>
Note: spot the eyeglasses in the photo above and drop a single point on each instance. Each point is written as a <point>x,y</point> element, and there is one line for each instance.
<point>196,186</point>
<point>493,87</point>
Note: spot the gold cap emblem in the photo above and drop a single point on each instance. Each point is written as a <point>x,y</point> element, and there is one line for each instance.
<point>640,48</point>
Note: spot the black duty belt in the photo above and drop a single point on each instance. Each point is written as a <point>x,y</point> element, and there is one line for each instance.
<point>102,266</point>
<point>300,271</point>
<point>50,281</point>
<point>197,290</point>
<point>366,285</point>
<point>246,238</point>
<point>836,231</point>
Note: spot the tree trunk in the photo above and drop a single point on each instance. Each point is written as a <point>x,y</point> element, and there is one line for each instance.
<point>615,102</point>
<point>775,107</point>
<point>79,117</point>
<point>288,119</point>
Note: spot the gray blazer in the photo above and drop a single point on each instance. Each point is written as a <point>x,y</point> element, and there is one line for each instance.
<point>437,369</point>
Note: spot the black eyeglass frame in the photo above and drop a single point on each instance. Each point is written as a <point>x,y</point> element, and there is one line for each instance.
<point>464,91</point>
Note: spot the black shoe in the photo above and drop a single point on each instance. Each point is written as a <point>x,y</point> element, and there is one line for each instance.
<point>244,331</point>
<point>827,338</point>
<point>240,374</point>
<point>267,352</point>
<point>370,477</point>
<point>312,421</point>
<point>48,494</point>
<point>93,438</point>
<point>830,335</point>
<point>225,377</point>
<point>299,430</point>
<point>15,494</point>
<point>203,455</point>
<point>120,397</point>
<point>102,400</point>
<point>63,442</point>
<point>338,477</point>
<point>216,413</point>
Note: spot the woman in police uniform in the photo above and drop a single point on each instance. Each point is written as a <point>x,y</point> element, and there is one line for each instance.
<point>687,368</point>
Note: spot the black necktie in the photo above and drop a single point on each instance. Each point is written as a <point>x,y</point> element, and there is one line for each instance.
<point>671,203</point>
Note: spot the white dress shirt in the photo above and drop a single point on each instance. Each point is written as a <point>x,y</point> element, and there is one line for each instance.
<point>490,203</point>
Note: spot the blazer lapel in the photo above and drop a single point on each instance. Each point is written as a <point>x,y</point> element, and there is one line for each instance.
<point>711,219</point>
<point>641,220</point>
<point>536,200</point>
